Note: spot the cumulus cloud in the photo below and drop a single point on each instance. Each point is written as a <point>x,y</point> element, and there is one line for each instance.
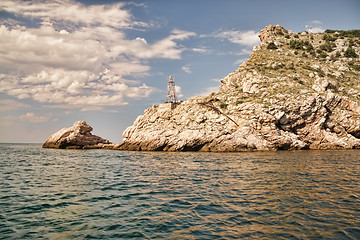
<point>316,22</point>
<point>209,90</point>
<point>79,56</point>
<point>165,48</point>
<point>240,61</point>
<point>200,50</point>
<point>69,11</point>
<point>318,29</point>
<point>32,117</point>
<point>178,91</point>
<point>187,68</point>
<point>247,38</point>
<point>9,104</point>
<point>316,26</point>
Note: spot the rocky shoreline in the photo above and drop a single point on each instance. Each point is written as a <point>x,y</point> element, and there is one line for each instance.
<point>286,96</point>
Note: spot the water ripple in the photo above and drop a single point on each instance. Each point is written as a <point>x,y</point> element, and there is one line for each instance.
<point>96,194</point>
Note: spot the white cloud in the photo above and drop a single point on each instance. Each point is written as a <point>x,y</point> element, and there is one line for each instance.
<point>32,117</point>
<point>217,80</point>
<point>245,52</point>
<point>316,26</point>
<point>70,11</point>
<point>79,56</point>
<point>247,38</point>
<point>209,90</point>
<point>178,91</point>
<point>200,50</point>
<point>165,48</point>
<point>187,68</point>
<point>9,104</point>
<point>7,121</point>
<point>240,61</point>
<point>318,30</point>
<point>316,22</point>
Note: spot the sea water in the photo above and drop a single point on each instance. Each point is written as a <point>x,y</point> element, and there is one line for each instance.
<point>104,194</point>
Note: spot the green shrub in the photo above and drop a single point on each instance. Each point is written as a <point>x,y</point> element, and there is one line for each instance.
<point>298,44</point>
<point>327,37</point>
<point>223,105</point>
<point>309,47</point>
<point>323,55</point>
<point>272,45</point>
<point>354,66</point>
<point>327,47</point>
<point>342,33</point>
<point>350,53</point>
<point>295,44</point>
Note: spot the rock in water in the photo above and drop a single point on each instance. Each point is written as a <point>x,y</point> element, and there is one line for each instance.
<point>76,137</point>
<point>291,96</point>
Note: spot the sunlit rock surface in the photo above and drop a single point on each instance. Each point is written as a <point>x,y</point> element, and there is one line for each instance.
<point>297,91</point>
<point>76,137</point>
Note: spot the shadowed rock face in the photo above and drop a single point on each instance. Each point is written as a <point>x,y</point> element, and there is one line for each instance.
<point>76,137</point>
<point>290,97</point>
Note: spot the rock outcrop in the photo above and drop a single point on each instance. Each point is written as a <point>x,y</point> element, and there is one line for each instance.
<point>76,137</point>
<point>304,93</point>
<point>272,31</point>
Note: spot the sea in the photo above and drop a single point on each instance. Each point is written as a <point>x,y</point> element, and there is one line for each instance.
<point>106,194</point>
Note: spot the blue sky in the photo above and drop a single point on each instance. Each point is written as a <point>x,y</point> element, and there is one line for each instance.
<point>106,61</point>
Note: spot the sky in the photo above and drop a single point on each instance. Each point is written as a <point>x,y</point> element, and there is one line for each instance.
<point>105,61</point>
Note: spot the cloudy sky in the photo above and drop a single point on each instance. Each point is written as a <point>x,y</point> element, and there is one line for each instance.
<point>106,61</point>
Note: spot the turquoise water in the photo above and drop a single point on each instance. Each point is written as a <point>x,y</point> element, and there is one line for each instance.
<point>102,194</point>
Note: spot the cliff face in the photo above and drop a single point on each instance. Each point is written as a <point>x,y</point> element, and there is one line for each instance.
<point>297,91</point>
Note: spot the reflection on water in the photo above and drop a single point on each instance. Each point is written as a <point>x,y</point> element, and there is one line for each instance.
<point>99,194</point>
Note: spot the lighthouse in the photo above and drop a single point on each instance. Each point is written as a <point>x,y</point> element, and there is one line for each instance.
<point>171,96</point>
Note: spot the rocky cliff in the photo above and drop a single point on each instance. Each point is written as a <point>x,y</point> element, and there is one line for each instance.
<point>76,137</point>
<point>297,91</point>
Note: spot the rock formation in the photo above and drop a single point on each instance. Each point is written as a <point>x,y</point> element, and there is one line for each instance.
<point>304,93</point>
<point>76,137</point>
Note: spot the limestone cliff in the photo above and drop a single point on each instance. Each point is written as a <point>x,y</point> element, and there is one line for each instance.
<point>76,137</point>
<point>297,91</point>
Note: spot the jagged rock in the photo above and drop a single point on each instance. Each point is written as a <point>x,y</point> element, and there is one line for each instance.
<point>271,31</point>
<point>275,100</point>
<point>76,137</point>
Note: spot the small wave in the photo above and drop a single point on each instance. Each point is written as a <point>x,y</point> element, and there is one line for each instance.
<point>125,195</point>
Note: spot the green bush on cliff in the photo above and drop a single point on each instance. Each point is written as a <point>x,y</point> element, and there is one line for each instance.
<point>299,44</point>
<point>354,66</point>
<point>223,105</point>
<point>271,45</point>
<point>295,44</point>
<point>342,33</point>
<point>350,53</point>
<point>328,47</point>
<point>323,55</point>
<point>309,47</point>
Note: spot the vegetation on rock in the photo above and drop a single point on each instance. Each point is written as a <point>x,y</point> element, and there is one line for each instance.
<point>297,91</point>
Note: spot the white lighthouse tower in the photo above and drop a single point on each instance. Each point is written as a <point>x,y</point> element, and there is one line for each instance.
<point>171,95</point>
